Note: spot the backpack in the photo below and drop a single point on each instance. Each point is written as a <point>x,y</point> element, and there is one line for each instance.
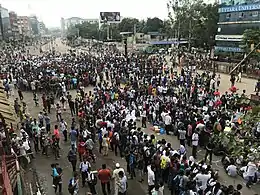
<point>163,163</point>
<point>71,188</point>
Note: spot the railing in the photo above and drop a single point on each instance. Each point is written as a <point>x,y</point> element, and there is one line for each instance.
<point>250,71</point>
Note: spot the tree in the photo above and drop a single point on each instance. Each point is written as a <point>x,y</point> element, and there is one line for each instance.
<point>194,21</point>
<point>154,25</point>
<point>251,36</point>
<point>88,30</point>
<point>127,24</point>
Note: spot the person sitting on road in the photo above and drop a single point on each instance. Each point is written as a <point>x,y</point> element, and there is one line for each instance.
<point>232,169</point>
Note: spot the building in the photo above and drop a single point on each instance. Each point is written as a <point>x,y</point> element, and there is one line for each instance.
<point>24,26</point>
<point>34,23</point>
<point>14,25</point>
<point>76,20</point>
<point>62,25</point>
<point>42,28</point>
<point>5,23</point>
<point>234,18</point>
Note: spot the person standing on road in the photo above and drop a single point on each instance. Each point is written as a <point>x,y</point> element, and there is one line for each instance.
<point>73,137</point>
<point>72,157</point>
<point>151,178</point>
<point>92,182</point>
<point>73,187</point>
<point>116,178</point>
<point>209,151</point>
<point>63,128</point>
<point>59,185</point>
<point>89,146</point>
<point>168,123</point>
<point>104,175</point>
<point>182,136</point>
<point>195,142</point>
<point>122,183</point>
<point>84,167</point>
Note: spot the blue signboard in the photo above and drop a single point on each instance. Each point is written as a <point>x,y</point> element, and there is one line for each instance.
<point>239,8</point>
<point>228,49</point>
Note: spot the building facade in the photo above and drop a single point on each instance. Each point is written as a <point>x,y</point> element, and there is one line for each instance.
<point>5,23</point>
<point>34,23</point>
<point>14,25</point>
<point>234,18</point>
<point>24,26</point>
<point>62,25</point>
<point>76,20</point>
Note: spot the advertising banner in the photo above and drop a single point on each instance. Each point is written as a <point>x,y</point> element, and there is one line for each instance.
<point>239,8</point>
<point>228,49</point>
<point>229,38</point>
<point>110,17</point>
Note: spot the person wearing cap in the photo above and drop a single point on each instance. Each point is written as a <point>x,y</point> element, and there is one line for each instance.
<point>115,177</point>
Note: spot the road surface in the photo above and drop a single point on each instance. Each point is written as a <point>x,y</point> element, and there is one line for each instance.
<point>42,163</point>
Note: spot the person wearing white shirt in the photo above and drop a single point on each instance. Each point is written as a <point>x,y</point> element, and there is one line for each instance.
<point>84,167</point>
<point>122,183</point>
<point>202,179</point>
<point>195,142</point>
<point>151,178</point>
<point>168,123</point>
<point>251,169</point>
<point>232,170</point>
<point>116,177</point>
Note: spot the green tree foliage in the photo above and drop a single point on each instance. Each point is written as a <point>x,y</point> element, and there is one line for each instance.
<point>251,37</point>
<point>91,30</point>
<point>194,20</point>
<point>88,30</point>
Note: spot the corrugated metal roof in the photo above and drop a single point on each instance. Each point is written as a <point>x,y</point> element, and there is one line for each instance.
<point>6,109</point>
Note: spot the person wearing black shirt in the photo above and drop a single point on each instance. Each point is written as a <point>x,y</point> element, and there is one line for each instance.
<point>59,184</point>
<point>209,151</point>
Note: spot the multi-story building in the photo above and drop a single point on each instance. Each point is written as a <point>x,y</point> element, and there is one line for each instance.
<point>14,25</point>
<point>24,25</point>
<point>34,23</point>
<point>234,18</point>
<point>5,23</point>
<point>62,25</point>
<point>76,20</point>
<point>42,28</point>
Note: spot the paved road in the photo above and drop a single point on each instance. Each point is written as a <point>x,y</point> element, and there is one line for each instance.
<point>43,164</point>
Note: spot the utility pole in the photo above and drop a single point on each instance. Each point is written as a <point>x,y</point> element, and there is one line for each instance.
<point>107,31</point>
<point>126,52</point>
<point>134,37</point>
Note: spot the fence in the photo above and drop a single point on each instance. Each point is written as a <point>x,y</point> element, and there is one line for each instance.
<point>249,71</point>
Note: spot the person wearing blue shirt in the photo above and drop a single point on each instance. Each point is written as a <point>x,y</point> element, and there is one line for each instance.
<point>55,175</point>
<point>132,164</point>
<point>73,137</point>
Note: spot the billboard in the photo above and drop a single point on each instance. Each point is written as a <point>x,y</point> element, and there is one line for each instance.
<point>109,17</point>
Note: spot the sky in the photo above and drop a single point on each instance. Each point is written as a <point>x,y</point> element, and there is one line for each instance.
<point>51,11</point>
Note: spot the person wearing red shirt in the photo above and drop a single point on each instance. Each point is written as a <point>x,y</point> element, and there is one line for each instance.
<point>56,133</point>
<point>104,175</point>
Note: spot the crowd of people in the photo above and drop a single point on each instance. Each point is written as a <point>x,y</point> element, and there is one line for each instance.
<point>126,99</point>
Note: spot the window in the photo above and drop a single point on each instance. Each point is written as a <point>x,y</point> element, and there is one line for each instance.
<point>241,14</point>
<point>228,15</point>
<point>254,13</point>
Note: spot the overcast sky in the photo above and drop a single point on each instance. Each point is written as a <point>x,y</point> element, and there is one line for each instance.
<point>50,11</point>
